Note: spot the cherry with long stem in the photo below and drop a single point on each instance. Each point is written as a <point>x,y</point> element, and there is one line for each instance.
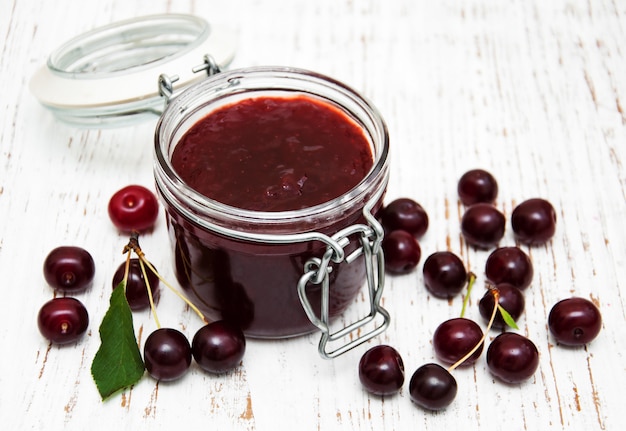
<point>133,246</point>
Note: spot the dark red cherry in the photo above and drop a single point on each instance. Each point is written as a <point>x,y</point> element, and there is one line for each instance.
<point>69,269</point>
<point>63,320</point>
<point>167,354</point>
<point>477,186</point>
<point>482,225</point>
<point>218,347</point>
<point>509,297</point>
<point>136,288</point>
<point>509,265</point>
<point>432,387</point>
<point>455,338</point>
<point>534,221</point>
<point>402,251</point>
<point>381,370</point>
<point>512,358</point>
<point>445,275</point>
<point>575,321</point>
<point>404,214</point>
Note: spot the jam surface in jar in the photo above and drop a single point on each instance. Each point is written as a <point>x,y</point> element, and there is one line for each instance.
<point>273,153</point>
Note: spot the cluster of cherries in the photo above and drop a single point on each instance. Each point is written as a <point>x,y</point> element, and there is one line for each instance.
<point>511,357</point>
<point>217,347</point>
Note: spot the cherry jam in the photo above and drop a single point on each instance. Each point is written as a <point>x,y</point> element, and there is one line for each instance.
<point>273,154</point>
<point>253,166</point>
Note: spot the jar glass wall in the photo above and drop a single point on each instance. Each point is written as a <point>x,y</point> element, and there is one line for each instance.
<point>245,265</point>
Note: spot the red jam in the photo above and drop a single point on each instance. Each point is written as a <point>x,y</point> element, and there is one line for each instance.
<point>267,154</point>
<point>273,154</point>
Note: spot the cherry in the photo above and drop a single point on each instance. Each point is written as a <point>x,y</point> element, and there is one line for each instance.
<point>404,214</point>
<point>381,370</point>
<point>69,269</point>
<point>167,354</point>
<point>510,298</point>
<point>218,347</point>
<point>133,207</point>
<point>402,251</point>
<point>444,274</point>
<point>136,289</point>
<point>534,221</point>
<point>574,321</point>
<point>509,265</point>
<point>482,225</point>
<point>63,320</point>
<point>477,186</point>
<point>454,338</point>
<point>512,358</point>
<point>432,387</point>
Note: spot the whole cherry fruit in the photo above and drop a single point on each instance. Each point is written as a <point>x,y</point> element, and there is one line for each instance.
<point>445,275</point>
<point>218,347</point>
<point>381,370</point>
<point>509,297</point>
<point>534,221</point>
<point>477,186</point>
<point>455,338</point>
<point>136,287</point>
<point>69,269</point>
<point>432,387</point>
<point>575,321</point>
<point>133,207</point>
<point>509,265</point>
<point>482,225</point>
<point>402,251</point>
<point>512,357</point>
<point>167,354</point>
<point>404,214</point>
<point>63,320</point>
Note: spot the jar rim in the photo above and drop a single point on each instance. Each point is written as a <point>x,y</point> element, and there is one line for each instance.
<point>236,82</point>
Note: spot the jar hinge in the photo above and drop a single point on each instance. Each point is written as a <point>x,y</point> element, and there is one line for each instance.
<point>317,271</point>
<point>166,82</point>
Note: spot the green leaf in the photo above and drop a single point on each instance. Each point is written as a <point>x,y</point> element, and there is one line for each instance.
<point>117,364</point>
<point>508,319</point>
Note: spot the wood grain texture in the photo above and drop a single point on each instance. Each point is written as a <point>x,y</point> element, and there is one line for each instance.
<point>534,91</point>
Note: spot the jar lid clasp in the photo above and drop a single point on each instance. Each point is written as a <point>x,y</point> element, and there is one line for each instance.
<point>317,271</point>
<point>166,82</point>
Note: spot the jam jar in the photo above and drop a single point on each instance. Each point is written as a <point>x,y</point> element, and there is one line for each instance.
<point>277,271</point>
<point>281,271</point>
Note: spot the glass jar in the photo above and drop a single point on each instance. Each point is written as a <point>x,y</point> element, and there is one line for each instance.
<point>285,273</point>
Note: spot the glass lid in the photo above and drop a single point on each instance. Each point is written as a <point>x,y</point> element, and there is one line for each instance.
<point>111,75</point>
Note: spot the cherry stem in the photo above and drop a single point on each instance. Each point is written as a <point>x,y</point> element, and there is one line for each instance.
<point>145,277</point>
<point>173,289</point>
<point>126,271</point>
<point>133,244</point>
<point>496,297</point>
<point>471,278</point>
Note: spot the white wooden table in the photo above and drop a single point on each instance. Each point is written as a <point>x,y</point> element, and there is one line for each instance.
<point>534,91</point>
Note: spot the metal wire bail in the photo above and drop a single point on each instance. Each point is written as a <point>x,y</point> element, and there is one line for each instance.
<point>317,271</point>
